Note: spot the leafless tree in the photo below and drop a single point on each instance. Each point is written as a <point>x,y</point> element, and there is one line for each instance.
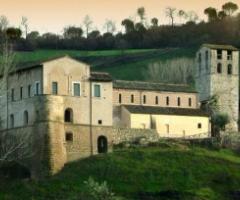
<point>24,23</point>
<point>14,145</point>
<point>3,23</point>
<point>179,70</point>
<point>110,26</point>
<point>171,12</point>
<point>87,22</point>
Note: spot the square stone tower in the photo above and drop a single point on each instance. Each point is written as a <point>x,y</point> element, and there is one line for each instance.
<point>217,73</point>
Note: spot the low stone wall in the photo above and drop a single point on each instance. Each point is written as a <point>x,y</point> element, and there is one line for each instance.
<point>130,135</point>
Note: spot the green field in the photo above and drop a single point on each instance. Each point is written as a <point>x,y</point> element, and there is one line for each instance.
<point>172,171</point>
<point>126,65</point>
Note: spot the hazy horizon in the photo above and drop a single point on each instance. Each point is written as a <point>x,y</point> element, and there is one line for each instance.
<point>54,15</point>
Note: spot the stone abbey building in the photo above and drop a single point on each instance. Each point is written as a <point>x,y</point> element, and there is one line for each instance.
<point>73,113</point>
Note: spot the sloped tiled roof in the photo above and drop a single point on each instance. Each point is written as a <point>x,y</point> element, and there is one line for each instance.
<point>220,47</point>
<point>165,110</point>
<point>100,77</point>
<point>139,85</point>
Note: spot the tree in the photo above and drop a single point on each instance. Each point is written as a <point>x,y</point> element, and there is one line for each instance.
<point>33,36</point>
<point>141,14</point>
<point>182,14</point>
<point>221,15</point>
<point>13,33</point>
<point>192,16</point>
<point>72,32</point>
<point>154,22</point>
<point>229,8</point>
<point>179,71</point>
<point>128,24</point>
<point>87,22</point>
<point>3,23</point>
<point>219,121</point>
<point>110,26</point>
<point>24,23</point>
<point>211,13</point>
<point>170,12</point>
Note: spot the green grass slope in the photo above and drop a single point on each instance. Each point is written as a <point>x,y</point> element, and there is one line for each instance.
<point>127,65</point>
<point>170,172</point>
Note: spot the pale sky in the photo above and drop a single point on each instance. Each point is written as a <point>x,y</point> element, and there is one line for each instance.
<point>54,15</point>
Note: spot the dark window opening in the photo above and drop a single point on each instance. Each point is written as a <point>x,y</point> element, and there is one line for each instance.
<point>229,55</point>
<point>219,68</point>
<point>144,99</point>
<point>189,102</point>
<point>179,101</point>
<point>68,115</point>
<point>219,54</point>
<point>100,122</point>
<point>25,117</point>
<point>120,98</point>
<point>11,121</point>
<point>132,98</point>
<point>199,125</point>
<point>156,100</point>
<point>12,95</point>
<point>229,69</point>
<point>206,60</point>
<point>29,90</point>
<point>21,93</point>
<point>69,137</point>
<point>167,101</point>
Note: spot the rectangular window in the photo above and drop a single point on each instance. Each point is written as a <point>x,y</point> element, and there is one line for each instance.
<point>37,88</point>
<point>199,125</point>
<point>229,55</point>
<point>97,90</point>
<point>132,98</point>
<point>54,88</point>
<point>21,93</point>
<point>219,54</point>
<point>167,101</point>
<point>12,94</point>
<point>179,101</point>
<point>189,102</point>
<point>29,90</point>
<point>156,100</point>
<point>144,99</point>
<point>120,98</point>
<point>76,89</point>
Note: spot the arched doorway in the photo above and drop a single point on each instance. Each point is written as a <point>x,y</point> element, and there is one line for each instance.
<point>102,144</point>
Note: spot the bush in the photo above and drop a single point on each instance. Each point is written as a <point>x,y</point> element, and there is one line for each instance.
<point>98,191</point>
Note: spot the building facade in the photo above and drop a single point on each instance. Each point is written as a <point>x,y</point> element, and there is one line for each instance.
<point>74,113</point>
<point>217,74</point>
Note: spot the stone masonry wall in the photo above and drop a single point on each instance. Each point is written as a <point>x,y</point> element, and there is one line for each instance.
<point>129,135</point>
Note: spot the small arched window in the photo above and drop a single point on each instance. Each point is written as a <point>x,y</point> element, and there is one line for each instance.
<point>25,117</point>
<point>68,115</point>
<point>219,68</point>
<point>11,121</point>
<point>229,69</point>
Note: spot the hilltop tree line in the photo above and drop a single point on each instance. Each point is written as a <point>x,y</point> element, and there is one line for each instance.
<point>184,30</point>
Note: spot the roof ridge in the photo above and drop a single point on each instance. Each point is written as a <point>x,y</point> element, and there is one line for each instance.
<point>161,83</point>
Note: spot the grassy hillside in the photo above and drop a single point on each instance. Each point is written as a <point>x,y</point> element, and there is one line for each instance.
<point>127,64</point>
<point>166,172</point>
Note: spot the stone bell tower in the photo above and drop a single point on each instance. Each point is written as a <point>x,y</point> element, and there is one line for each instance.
<point>217,73</point>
